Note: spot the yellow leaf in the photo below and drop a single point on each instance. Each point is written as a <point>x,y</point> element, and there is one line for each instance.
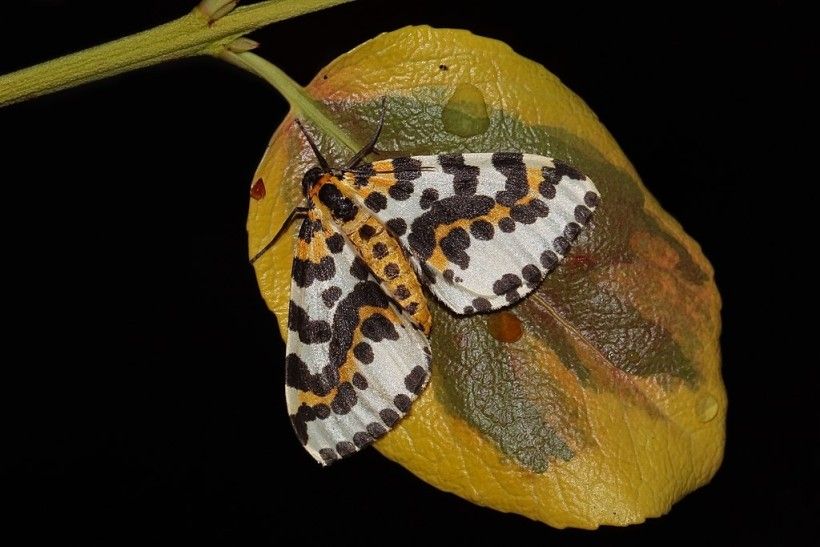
<point>596,400</point>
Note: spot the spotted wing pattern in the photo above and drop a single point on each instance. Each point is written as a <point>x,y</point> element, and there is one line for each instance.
<point>354,361</point>
<point>481,229</point>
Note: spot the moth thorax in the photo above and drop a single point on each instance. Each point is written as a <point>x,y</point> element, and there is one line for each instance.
<point>342,208</point>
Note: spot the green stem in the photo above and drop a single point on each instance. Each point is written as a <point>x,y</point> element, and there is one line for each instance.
<point>190,35</point>
<point>295,94</point>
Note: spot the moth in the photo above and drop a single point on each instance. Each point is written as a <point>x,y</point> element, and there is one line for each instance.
<point>478,231</point>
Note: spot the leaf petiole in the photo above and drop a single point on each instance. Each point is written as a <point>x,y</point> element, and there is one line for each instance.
<point>295,94</point>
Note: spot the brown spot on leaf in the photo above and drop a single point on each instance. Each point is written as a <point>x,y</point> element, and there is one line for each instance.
<point>505,327</point>
<point>653,249</point>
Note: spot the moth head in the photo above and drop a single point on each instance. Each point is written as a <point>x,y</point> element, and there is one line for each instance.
<point>313,175</point>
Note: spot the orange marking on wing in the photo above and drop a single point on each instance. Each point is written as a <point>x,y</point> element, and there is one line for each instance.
<point>534,178</point>
<point>440,262</point>
<point>350,365</point>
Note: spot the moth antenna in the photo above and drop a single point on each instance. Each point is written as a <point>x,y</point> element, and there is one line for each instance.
<point>319,157</point>
<point>371,146</point>
<point>297,211</point>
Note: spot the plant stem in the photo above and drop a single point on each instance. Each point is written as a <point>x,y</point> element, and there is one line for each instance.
<point>295,94</point>
<point>190,35</point>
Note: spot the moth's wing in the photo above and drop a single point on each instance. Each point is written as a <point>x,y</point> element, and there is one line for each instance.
<point>354,363</point>
<point>482,229</point>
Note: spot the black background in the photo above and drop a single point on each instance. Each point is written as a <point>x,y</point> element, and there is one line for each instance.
<point>143,372</point>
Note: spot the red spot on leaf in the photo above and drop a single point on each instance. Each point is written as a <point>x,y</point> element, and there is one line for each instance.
<point>580,261</point>
<point>258,190</point>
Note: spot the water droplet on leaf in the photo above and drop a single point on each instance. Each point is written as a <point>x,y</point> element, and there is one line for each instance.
<point>706,408</point>
<point>465,114</point>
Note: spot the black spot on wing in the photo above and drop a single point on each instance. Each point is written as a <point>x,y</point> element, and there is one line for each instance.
<point>511,165</point>
<point>539,208</point>
<point>428,197</point>
<point>345,399</point>
<point>359,269</point>
<point>549,260</point>
<point>362,439</point>
<point>298,376</point>
<point>309,332</point>
<point>345,448</point>
<point>359,381</point>
<point>507,283</point>
<point>508,286</point>
<point>305,414</point>
<point>523,213</point>
<point>566,170</point>
<point>376,201</point>
<point>561,245</point>
<point>389,417</point>
<point>304,272</point>
<point>428,275</point>
<point>482,230</point>
<point>453,246</point>
<point>402,402</point>
<point>322,411</point>
<point>331,295</point>
<point>591,199</point>
<point>377,327</point>
<point>299,421</point>
<point>582,214</point>
<point>506,225</point>
<point>414,382</point>
<point>481,304</point>
<point>406,168</point>
<point>362,175</point>
<point>376,430</point>
<point>397,226</point>
<point>401,190</point>
<point>465,177</point>
<point>335,243</point>
<point>553,175</point>
<point>547,187</point>
<point>531,274</point>
<point>571,231</point>
<point>363,352</point>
